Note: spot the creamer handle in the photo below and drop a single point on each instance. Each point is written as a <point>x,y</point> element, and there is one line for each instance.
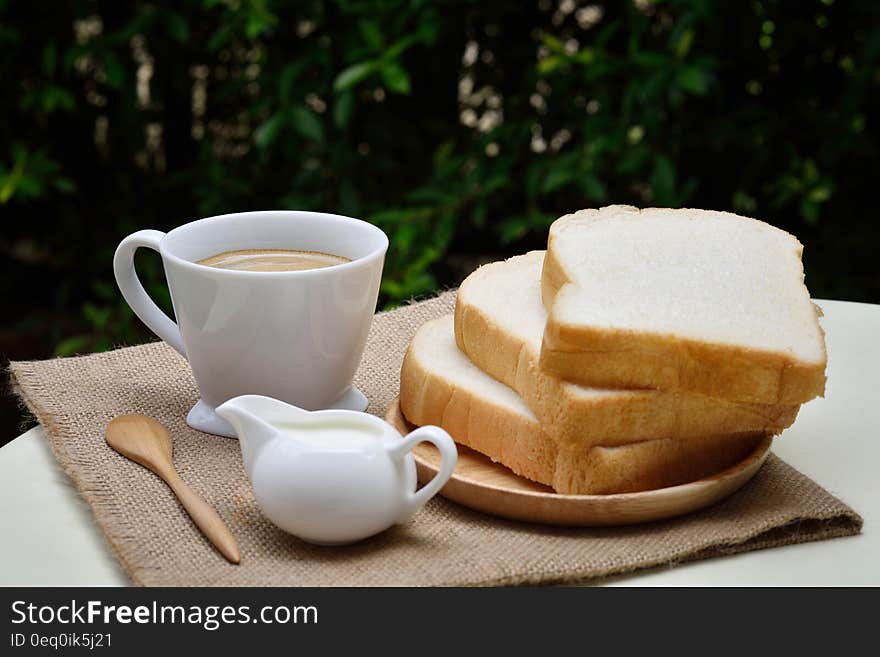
<point>448,458</point>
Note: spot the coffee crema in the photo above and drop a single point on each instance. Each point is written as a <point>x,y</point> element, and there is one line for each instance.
<point>272,260</point>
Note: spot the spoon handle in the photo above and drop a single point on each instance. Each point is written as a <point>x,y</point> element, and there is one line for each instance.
<point>204,516</point>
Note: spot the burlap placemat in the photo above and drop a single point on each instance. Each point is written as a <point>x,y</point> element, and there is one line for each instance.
<point>445,544</point>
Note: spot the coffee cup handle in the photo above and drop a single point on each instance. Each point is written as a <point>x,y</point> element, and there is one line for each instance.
<point>134,293</point>
<point>448,458</point>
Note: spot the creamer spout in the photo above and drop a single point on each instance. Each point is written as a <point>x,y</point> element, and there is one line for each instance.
<point>252,418</point>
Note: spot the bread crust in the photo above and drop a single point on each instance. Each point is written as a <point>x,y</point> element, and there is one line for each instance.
<point>616,358</point>
<point>518,441</point>
<point>615,418</point>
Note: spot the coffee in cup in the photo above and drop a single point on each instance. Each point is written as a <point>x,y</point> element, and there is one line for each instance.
<point>272,260</point>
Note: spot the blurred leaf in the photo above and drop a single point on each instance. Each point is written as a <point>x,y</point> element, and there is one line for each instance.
<point>534,179</point>
<point>743,202</point>
<point>28,187</point>
<point>429,33</point>
<point>58,97</point>
<point>105,290</point>
<point>48,99</point>
<point>113,71</point>
<point>683,47</point>
<point>633,161</point>
<point>306,123</point>
<point>585,57</point>
<point>514,229</point>
<point>811,171</point>
<point>343,109</point>
<point>693,80</point>
<point>64,185</point>
<point>478,216</point>
<point>50,59</point>
<point>651,59</point>
<point>552,42</point>
<point>443,153</point>
<point>389,218</point>
<point>550,64</point>
<point>372,34</point>
<point>259,19</point>
<point>663,181</point>
<point>593,188</point>
<point>412,286</point>
<point>809,211</point>
<point>8,184</point>
<point>176,26</point>
<point>71,346</point>
<point>267,133</point>
<point>9,180</point>
<point>348,198</point>
<point>353,75</point>
<point>494,183</point>
<point>819,194</point>
<point>289,75</point>
<point>428,195</point>
<point>96,316</point>
<point>399,47</point>
<point>607,33</point>
<point>396,79</point>
<point>406,234</point>
<point>221,37</point>
<point>557,178</point>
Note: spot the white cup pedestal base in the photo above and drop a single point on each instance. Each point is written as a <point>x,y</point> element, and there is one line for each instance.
<point>202,417</point>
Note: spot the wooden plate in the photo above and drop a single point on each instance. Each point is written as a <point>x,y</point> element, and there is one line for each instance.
<point>480,484</point>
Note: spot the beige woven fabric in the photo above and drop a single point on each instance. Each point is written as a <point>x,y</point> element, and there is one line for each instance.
<point>445,544</point>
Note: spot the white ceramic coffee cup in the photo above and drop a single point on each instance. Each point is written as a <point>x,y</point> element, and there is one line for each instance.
<point>297,336</point>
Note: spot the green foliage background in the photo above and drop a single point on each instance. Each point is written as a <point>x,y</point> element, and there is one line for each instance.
<point>462,128</point>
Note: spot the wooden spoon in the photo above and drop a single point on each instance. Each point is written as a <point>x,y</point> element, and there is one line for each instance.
<point>145,441</point>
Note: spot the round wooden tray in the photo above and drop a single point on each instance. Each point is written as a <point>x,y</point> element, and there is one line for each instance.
<point>480,484</point>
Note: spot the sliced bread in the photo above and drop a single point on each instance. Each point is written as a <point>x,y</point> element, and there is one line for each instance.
<point>499,322</point>
<point>439,385</point>
<point>681,300</point>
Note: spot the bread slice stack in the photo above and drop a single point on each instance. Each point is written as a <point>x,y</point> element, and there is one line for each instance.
<point>645,348</point>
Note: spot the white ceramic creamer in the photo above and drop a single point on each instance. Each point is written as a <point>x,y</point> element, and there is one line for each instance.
<point>332,477</point>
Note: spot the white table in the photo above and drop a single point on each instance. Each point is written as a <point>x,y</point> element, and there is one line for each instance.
<point>49,536</point>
